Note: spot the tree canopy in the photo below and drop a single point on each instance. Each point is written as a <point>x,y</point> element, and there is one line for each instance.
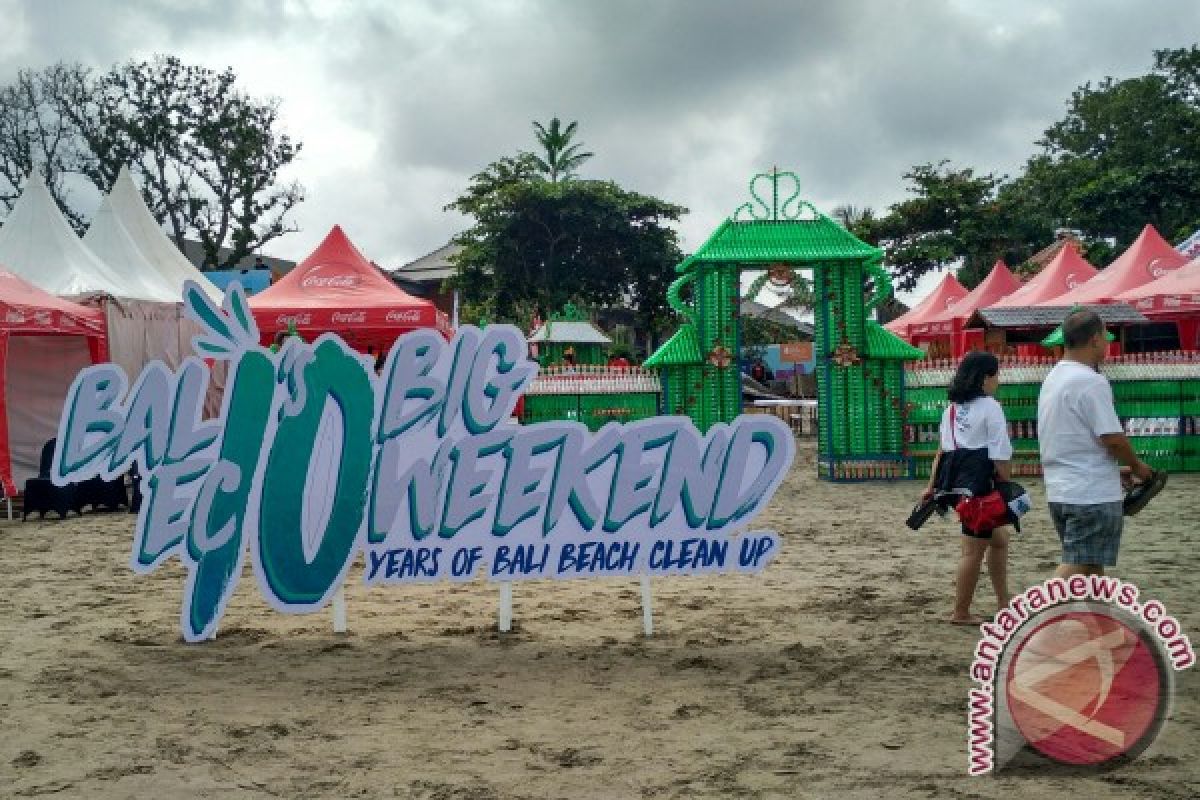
<point>1126,153</point>
<point>206,154</point>
<point>539,241</point>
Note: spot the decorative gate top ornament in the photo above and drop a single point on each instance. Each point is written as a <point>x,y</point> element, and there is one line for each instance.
<point>314,459</point>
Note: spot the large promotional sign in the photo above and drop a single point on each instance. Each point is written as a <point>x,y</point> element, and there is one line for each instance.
<point>315,459</point>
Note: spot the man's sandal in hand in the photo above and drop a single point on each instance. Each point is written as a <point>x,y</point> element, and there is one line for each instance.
<point>1142,493</point>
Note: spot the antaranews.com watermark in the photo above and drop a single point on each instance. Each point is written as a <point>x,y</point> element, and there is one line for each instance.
<point>1077,670</point>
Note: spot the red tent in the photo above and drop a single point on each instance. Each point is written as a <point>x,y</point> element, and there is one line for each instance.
<point>1173,297</point>
<point>1176,292</point>
<point>951,323</point>
<point>44,342</point>
<point>1065,271</point>
<point>338,290</point>
<point>947,293</point>
<point>1149,257</point>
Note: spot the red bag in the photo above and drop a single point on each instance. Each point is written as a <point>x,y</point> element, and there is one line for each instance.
<point>982,514</point>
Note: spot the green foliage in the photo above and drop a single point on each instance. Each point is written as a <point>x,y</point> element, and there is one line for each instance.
<point>957,215</point>
<point>561,157</point>
<point>538,244</point>
<point>1127,153</point>
<point>207,155</point>
<point>758,332</point>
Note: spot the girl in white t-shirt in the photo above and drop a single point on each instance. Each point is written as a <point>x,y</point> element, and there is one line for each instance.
<point>975,422</point>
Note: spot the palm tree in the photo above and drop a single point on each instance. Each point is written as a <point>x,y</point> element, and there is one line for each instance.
<point>561,157</point>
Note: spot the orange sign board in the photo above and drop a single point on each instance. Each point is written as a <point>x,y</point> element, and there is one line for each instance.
<point>796,352</point>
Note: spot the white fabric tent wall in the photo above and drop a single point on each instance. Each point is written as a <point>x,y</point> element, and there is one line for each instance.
<point>125,234</point>
<point>39,371</point>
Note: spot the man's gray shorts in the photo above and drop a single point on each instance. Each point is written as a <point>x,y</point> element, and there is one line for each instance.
<point>1090,534</point>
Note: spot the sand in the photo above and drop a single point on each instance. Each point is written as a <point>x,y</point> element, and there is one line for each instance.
<point>830,675</point>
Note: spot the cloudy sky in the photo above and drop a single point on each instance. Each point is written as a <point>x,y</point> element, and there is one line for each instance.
<point>399,102</point>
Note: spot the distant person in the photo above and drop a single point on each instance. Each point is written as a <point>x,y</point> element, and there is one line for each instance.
<point>569,358</point>
<point>258,263</point>
<point>759,371</point>
<point>1082,448</point>
<point>974,454</point>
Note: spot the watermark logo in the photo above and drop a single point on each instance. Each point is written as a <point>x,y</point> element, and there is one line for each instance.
<point>1074,672</point>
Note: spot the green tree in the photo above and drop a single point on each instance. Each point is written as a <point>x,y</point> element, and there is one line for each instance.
<point>1127,153</point>
<point>536,245</point>
<point>861,221</point>
<point>560,157</point>
<point>957,217</point>
<point>207,155</point>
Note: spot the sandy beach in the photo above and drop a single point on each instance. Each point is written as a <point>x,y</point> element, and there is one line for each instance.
<point>832,674</point>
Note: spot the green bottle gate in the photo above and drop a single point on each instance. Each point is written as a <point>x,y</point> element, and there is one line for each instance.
<point>860,374</point>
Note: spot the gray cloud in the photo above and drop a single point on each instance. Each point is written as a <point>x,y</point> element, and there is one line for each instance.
<point>401,102</point>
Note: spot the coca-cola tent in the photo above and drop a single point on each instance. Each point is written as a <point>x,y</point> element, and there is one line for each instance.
<point>1066,271</point>
<point>1175,297</point>
<point>1149,257</point>
<point>336,289</point>
<point>44,342</point>
<point>947,293</point>
<point>951,323</point>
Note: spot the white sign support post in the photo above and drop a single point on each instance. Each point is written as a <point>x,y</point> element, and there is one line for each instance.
<point>505,607</point>
<point>339,610</point>
<point>647,607</point>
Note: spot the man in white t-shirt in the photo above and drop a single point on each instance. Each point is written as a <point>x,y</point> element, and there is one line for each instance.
<point>1082,448</point>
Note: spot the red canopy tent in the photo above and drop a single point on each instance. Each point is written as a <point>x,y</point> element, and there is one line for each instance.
<point>950,324</point>
<point>1149,257</point>
<point>44,342</point>
<point>336,289</point>
<point>1066,271</point>
<point>947,293</point>
<point>1173,297</point>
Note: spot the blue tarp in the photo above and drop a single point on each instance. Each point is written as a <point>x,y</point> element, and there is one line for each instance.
<point>252,280</point>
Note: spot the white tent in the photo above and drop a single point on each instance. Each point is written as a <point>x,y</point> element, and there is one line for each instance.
<point>164,257</point>
<point>143,312</point>
<point>37,244</point>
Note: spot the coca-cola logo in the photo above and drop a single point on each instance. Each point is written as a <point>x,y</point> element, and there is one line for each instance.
<point>42,318</point>
<point>358,317</point>
<point>314,280</point>
<point>1172,302</point>
<point>14,317</point>
<point>411,315</point>
<point>297,319</point>
<point>1157,269</point>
